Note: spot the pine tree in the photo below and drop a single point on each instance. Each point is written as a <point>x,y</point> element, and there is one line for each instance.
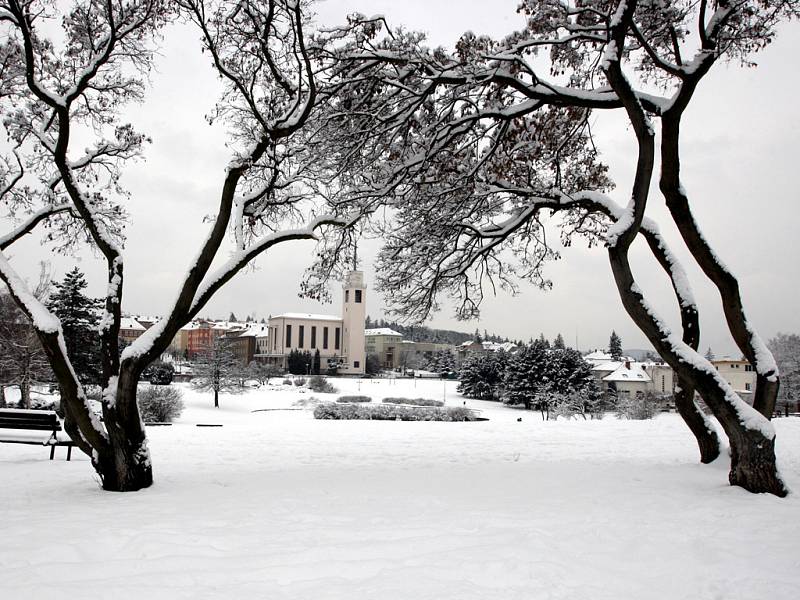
<point>79,319</point>
<point>232,318</point>
<point>524,375</point>
<point>482,374</point>
<point>615,346</point>
<point>316,362</point>
<point>543,341</point>
<point>710,354</point>
<point>558,343</point>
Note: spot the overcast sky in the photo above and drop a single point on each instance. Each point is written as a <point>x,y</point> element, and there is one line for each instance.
<point>739,166</point>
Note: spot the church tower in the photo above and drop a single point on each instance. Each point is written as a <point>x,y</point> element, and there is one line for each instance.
<point>354,311</point>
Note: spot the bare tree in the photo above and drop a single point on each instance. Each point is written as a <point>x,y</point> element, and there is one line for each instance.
<point>260,51</point>
<point>217,369</point>
<point>478,149</point>
<point>23,362</point>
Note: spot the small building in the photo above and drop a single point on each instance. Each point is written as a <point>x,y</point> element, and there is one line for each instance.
<point>628,379</point>
<point>739,374</point>
<point>384,343</point>
<point>130,329</point>
<point>244,342</point>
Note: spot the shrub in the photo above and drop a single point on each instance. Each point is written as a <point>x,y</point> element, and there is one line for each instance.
<point>387,412</point>
<point>159,373</point>
<point>300,381</point>
<point>159,404</point>
<point>350,399</point>
<point>319,384</point>
<point>287,381</point>
<point>639,407</point>
<point>413,401</point>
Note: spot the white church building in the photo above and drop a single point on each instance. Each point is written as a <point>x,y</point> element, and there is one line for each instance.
<point>340,340</point>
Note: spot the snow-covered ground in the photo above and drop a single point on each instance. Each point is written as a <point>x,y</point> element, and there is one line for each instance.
<point>277,505</point>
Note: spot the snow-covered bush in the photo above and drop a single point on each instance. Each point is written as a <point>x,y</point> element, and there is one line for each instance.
<point>300,381</point>
<point>413,401</point>
<point>159,404</point>
<point>638,407</point>
<point>392,412</point>
<point>287,381</point>
<point>319,384</point>
<point>351,399</point>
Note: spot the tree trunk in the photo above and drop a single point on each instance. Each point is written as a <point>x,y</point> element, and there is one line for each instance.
<point>707,438</point>
<point>3,403</point>
<point>753,464</point>
<point>216,398</point>
<point>124,464</point>
<point>25,392</point>
<point>767,380</point>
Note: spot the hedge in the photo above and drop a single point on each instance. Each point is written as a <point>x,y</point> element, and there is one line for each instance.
<point>391,412</point>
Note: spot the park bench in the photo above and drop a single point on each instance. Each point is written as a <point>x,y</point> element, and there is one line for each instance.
<point>35,420</point>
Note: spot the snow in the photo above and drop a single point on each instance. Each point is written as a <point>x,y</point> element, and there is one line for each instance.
<point>628,372</point>
<point>131,324</point>
<point>382,331</point>
<point>307,316</point>
<point>277,505</point>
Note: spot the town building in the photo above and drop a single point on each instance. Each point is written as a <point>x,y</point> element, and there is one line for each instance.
<point>339,340</point>
<point>383,342</point>
<point>130,329</point>
<point>481,347</point>
<point>244,342</point>
<point>739,374</point>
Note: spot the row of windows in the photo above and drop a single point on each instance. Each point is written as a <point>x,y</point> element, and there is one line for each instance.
<point>301,337</point>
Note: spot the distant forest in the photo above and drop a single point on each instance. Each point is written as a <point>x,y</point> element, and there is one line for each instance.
<point>421,333</point>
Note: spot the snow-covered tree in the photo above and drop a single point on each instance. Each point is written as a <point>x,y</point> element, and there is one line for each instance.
<point>78,315</point>
<point>525,375</point>
<point>23,362</point>
<point>481,375</point>
<point>786,348</point>
<point>558,343</point>
<point>443,361</point>
<point>67,70</point>
<point>217,369</point>
<point>615,346</point>
<point>709,354</point>
<point>479,148</point>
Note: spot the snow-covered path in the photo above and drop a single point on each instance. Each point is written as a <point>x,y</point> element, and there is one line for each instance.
<point>277,505</point>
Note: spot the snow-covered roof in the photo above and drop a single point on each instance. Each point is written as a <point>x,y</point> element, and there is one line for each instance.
<point>728,359</point>
<point>253,329</point>
<point>307,316</point>
<point>382,331</point>
<point>600,356</point>
<point>608,366</point>
<point>130,323</point>
<point>628,372</point>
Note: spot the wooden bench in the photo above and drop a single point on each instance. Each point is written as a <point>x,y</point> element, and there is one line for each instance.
<point>35,420</point>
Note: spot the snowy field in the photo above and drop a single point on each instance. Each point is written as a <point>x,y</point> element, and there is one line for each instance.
<point>277,505</point>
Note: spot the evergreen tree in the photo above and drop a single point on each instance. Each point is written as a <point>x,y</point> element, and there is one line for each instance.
<point>79,319</point>
<point>315,365</point>
<point>232,318</point>
<point>615,346</point>
<point>482,375</point>
<point>442,362</point>
<point>710,354</point>
<point>525,374</point>
<point>558,343</point>
<point>543,341</point>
